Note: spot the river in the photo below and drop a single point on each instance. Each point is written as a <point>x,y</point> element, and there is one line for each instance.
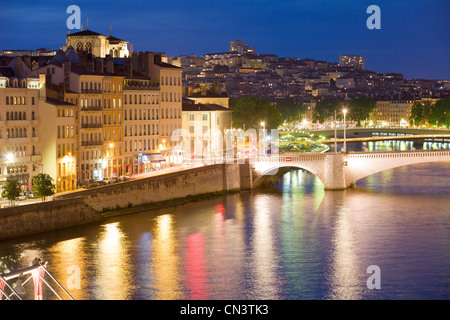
<point>292,241</point>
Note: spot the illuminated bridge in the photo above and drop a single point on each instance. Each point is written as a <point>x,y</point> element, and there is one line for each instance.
<point>338,171</point>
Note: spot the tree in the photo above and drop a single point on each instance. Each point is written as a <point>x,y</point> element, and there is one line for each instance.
<point>290,110</point>
<point>11,191</point>
<point>440,113</point>
<point>251,111</point>
<point>43,186</point>
<point>325,109</point>
<point>360,109</point>
<point>420,113</point>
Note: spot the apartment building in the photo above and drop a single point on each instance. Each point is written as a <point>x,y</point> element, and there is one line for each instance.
<point>207,125</point>
<point>356,62</point>
<point>113,126</point>
<point>392,113</point>
<point>141,125</point>
<point>58,142</point>
<point>20,151</point>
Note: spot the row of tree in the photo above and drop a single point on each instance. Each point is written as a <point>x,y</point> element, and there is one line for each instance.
<point>42,187</point>
<point>429,114</point>
<point>358,109</point>
<point>250,112</point>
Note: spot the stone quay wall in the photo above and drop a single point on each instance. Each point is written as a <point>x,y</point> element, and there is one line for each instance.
<point>85,206</point>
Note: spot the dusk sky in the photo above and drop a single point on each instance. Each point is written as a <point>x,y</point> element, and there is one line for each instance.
<point>414,38</point>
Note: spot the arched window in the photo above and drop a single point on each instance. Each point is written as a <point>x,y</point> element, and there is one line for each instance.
<point>79,47</point>
<point>88,47</point>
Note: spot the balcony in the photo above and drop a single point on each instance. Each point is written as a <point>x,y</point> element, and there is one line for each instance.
<point>91,125</point>
<point>91,91</point>
<point>92,108</point>
<point>91,143</point>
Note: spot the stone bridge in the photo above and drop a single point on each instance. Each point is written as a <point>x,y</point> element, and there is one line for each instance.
<point>338,171</point>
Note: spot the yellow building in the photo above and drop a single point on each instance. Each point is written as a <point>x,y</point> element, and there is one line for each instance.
<point>206,125</point>
<point>20,151</point>
<point>112,126</point>
<point>141,124</point>
<point>58,142</point>
<point>170,84</point>
<point>392,113</point>
<point>97,44</point>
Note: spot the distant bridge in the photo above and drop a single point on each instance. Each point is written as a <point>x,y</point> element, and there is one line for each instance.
<point>338,171</point>
<point>445,138</point>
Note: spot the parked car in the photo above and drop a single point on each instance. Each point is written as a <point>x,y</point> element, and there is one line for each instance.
<point>22,197</point>
<point>108,180</point>
<point>89,184</point>
<point>31,196</point>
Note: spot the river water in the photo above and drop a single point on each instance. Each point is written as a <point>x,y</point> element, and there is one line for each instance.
<point>291,241</point>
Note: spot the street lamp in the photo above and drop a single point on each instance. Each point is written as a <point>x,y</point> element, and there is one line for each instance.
<point>109,168</point>
<point>345,142</point>
<point>262,137</point>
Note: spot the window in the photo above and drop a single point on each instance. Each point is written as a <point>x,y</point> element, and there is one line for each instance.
<point>205,117</point>
<point>191,129</point>
<point>191,117</point>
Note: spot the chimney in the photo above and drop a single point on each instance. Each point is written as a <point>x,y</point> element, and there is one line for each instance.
<point>90,65</point>
<point>135,62</point>
<point>99,65</point>
<point>128,65</point>
<point>149,60</point>
<point>110,65</point>
<point>158,58</point>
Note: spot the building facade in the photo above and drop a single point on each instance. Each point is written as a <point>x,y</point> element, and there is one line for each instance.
<point>141,125</point>
<point>97,44</point>
<point>19,126</point>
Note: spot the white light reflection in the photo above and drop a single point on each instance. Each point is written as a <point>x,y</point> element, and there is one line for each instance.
<point>345,282</point>
<point>64,257</point>
<point>264,256</point>
<point>112,278</point>
<point>166,260</point>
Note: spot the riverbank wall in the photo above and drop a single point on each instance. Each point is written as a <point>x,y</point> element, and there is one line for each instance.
<point>87,206</point>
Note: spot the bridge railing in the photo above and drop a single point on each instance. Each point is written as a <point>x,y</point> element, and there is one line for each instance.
<point>399,154</point>
<point>291,158</point>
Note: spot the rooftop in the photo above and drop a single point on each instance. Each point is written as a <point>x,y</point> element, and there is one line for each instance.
<point>203,107</point>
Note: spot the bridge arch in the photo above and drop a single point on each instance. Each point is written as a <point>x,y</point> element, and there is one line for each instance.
<point>360,166</point>
<point>338,171</point>
<point>265,175</point>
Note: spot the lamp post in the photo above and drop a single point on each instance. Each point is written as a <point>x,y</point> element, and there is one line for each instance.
<point>263,137</point>
<point>345,135</point>
<point>110,168</point>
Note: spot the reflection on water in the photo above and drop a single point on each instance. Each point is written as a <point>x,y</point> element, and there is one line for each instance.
<point>292,241</point>
<point>165,261</point>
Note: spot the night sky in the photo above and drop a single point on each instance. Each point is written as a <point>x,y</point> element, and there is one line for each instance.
<point>414,38</point>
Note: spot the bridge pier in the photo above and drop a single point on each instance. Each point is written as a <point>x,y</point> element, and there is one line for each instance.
<point>334,173</point>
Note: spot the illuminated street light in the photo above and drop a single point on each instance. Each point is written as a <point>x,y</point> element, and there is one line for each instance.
<point>345,144</point>
<point>10,157</point>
